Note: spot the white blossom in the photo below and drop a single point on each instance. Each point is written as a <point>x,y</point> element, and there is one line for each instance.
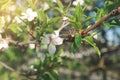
<point>81,2</point>
<point>3,43</point>
<point>29,15</point>
<point>52,40</point>
<point>31,46</point>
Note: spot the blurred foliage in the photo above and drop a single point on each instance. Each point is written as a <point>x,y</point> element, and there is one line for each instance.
<point>37,63</point>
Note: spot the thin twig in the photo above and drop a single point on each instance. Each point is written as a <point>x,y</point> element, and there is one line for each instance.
<point>6,66</point>
<point>64,24</point>
<point>22,43</point>
<point>31,34</point>
<point>98,23</point>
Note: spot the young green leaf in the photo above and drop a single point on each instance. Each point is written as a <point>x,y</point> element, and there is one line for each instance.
<point>78,39</point>
<point>42,16</point>
<point>13,27</point>
<point>99,14</point>
<point>78,13</point>
<point>51,77</point>
<point>60,4</point>
<point>54,20</point>
<point>92,43</point>
<point>73,47</point>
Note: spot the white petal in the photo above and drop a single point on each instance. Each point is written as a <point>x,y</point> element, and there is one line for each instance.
<point>3,44</point>
<point>57,41</point>
<point>51,49</point>
<point>75,3</point>
<point>55,34</point>
<point>34,14</point>
<point>30,18</point>
<point>81,2</point>
<point>29,10</point>
<point>31,46</point>
<point>45,40</point>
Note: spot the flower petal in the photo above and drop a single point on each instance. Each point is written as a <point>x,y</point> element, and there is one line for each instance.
<point>30,18</point>
<point>51,49</point>
<point>45,40</point>
<point>3,44</point>
<point>29,10</point>
<point>74,3</point>
<point>34,14</point>
<point>32,46</point>
<point>81,2</point>
<point>55,34</point>
<point>57,41</point>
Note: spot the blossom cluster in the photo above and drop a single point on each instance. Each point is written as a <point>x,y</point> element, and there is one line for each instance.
<point>52,40</point>
<point>29,15</point>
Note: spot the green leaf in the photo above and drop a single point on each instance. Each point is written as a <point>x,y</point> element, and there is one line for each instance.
<point>92,43</point>
<point>59,10</point>
<point>54,20</point>
<point>78,39</point>
<point>100,14</point>
<point>59,53</point>
<point>88,18</point>
<point>36,2</point>
<point>13,27</point>
<point>60,5</point>
<point>33,3</point>
<point>78,13</point>
<point>55,74</point>
<point>38,36</point>
<point>73,23</point>
<point>73,47</point>
<point>106,24</point>
<point>42,17</point>
<point>50,75</point>
<point>48,30</point>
